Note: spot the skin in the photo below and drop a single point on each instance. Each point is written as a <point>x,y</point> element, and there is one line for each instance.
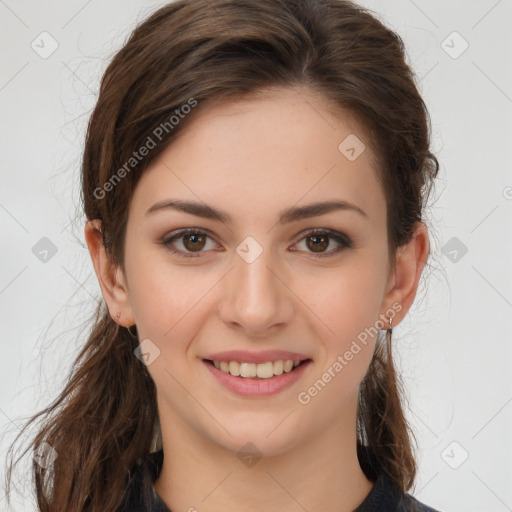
<point>253,158</point>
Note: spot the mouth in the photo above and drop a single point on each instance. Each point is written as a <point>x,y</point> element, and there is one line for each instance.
<point>260,371</point>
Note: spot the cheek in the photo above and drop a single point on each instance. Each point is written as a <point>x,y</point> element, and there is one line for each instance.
<point>170,309</point>
<point>161,292</point>
<point>349,300</point>
<point>164,304</point>
<point>348,306</point>
<point>349,312</point>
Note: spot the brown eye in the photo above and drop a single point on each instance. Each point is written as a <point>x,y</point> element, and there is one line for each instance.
<point>191,243</point>
<point>318,242</point>
<point>194,242</point>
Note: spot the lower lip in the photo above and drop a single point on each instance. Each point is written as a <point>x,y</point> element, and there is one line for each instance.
<point>257,387</point>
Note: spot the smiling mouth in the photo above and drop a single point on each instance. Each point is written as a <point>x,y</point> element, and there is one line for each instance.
<point>260,371</point>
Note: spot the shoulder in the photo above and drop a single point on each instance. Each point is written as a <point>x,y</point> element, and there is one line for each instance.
<point>385,497</point>
<point>411,504</point>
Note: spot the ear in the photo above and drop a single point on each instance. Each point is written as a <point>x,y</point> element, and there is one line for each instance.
<point>405,276</point>
<point>110,277</point>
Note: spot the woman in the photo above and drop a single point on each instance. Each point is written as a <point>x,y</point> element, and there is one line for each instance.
<point>254,179</point>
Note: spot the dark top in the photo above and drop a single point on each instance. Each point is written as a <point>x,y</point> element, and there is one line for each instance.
<point>382,498</point>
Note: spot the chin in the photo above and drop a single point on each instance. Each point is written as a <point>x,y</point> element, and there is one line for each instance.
<point>259,440</point>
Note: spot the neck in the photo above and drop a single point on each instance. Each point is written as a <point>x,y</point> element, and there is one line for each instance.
<point>322,474</point>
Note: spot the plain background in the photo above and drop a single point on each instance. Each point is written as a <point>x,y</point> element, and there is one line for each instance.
<point>454,348</point>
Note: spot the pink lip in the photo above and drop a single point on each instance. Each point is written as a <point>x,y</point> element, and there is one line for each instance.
<point>256,357</point>
<point>257,387</point>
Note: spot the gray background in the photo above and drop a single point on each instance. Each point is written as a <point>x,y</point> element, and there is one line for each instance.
<point>454,347</point>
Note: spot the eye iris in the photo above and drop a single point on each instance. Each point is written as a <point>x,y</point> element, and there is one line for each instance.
<point>195,239</point>
<point>322,245</point>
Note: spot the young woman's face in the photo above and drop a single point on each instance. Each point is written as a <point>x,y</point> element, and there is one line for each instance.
<point>258,280</point>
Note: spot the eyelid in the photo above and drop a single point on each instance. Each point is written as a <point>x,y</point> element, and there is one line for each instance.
<point>168,239</point>
<point>343,241</point>
<point>326,231</point>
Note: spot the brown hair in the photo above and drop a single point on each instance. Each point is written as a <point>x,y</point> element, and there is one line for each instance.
<point>196,52</point>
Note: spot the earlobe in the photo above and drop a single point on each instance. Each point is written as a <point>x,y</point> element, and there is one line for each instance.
<point>410,261</point>
<point>110,276</point>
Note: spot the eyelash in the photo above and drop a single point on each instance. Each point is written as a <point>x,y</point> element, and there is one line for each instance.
<point>343,240</point>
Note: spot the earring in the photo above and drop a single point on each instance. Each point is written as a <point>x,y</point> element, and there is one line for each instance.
<point>118,315</point>
<point>388,332</point>
<point>134,336</point>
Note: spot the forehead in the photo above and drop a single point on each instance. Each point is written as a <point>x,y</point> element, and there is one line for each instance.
<point>260,153</point>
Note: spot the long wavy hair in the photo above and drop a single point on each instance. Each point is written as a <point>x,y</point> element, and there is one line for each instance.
<point>198,52</point>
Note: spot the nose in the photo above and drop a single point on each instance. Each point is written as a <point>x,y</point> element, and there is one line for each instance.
<point>256,299</point>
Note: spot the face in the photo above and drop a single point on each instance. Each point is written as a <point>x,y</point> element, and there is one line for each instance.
<point>261,277</point>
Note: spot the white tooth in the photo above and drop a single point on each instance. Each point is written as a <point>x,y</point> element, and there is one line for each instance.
<point>278,367</point>
<point>234,368</point>
<point>247,369</point>
<point>262,370</point>
<point>265,370</point>
<point>288,365</point>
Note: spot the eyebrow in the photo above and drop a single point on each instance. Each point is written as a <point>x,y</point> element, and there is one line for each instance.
<point>289,215</point>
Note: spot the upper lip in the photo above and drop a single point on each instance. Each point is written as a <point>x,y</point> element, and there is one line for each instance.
<point>256,357</point>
